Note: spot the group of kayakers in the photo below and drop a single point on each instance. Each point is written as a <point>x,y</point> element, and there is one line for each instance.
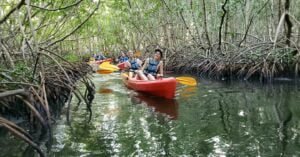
<point>150,69</point>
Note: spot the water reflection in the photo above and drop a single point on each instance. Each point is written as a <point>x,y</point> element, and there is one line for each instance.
<point>168,107</point>
<point>284,117</point>
<point>215,120</point>
<point>186,91</point>
<point>105,91</point>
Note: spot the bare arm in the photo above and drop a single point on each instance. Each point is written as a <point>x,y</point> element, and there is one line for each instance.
<point>139,61</point>
<point>161,68</point>
<point>145,64</point>
<point>127,63</point>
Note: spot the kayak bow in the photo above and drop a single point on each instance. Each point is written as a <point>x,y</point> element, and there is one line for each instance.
<point>164,87</point>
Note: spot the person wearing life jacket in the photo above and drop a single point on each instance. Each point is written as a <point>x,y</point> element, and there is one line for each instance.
<point>99,57</point>
<point>122,58</point>
<point>153,67</point>
<point>133,64</point>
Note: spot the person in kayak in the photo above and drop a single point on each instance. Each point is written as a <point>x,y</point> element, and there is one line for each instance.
<point>153,67</point>
<point>99,57</point>
<point>122,58</point>
<point>133,64</point>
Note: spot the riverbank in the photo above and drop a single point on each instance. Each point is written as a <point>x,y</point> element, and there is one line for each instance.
<point>263,61</point>
<point>37,103</point>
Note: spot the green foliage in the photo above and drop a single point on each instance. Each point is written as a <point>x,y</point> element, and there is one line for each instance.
<point>71,57</point>
<point>119,25</point>
<point>21,69</point>
<point>20,73</point>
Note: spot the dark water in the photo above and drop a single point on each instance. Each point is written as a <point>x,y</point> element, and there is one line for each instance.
<point>213,119</point>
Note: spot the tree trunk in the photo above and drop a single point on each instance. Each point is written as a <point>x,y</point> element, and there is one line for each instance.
<point>221,24</point>
<point>7,55</point>
<point>205,24</point>
<point>226,26</point>
<point>279,9</point>
<point>298,40</point>
<point>195,23</point>
<point>288,23</point>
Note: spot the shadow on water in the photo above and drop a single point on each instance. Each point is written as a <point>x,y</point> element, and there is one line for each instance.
<point>168,107</point>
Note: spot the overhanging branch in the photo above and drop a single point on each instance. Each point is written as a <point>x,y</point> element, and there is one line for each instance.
<point>75,29</point>
<point>22,2</point>
<point>56,9</point>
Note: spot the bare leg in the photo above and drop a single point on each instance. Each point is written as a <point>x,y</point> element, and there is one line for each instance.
<point>141,75</point>
<point>131,74</point>
<point>151,77</point>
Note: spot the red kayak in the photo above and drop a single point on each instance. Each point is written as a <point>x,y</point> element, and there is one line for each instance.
<point>122,65</point>
<point>164,87</point>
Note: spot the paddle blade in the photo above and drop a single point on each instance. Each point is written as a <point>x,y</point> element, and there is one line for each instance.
<point>187,81</point>
<point>104,71</point>
<point>107,66</point>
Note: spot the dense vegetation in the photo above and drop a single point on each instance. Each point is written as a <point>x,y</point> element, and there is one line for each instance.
<point>218,38</point>
<point>235,37</point>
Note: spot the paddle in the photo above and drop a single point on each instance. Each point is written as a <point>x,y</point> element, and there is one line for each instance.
<point>186,80</point>
<point>104,71</point>
<point>183,80</point>
<point>107,66</point>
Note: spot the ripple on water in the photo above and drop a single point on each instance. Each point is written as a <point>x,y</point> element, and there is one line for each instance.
<point>211,120</point>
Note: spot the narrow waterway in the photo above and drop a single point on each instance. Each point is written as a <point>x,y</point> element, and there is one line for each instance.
<point>212,119</point>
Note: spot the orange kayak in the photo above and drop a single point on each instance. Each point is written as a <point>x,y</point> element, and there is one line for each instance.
<point>164,87</point>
